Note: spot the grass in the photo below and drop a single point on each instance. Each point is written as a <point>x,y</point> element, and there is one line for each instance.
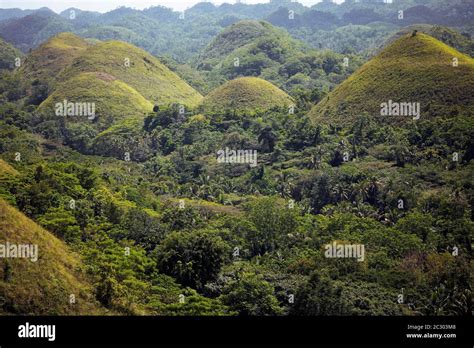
<point>48,60</point>
<point>114,100</point>
<point>246,94</point>
<point>145,73</point>
<point>411,69</point>
<point>42,287</point>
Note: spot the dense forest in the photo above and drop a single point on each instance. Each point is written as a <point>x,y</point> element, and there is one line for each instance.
<point>237,159</point>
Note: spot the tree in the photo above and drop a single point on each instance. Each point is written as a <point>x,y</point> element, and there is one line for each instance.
<point>251,295</point>
<point>62,223</point>
<point>319,296</point>
<point>192,258</point>
<point>273,221</point>
<point>267,138</point>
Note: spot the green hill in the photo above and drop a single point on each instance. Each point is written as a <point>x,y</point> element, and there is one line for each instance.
<point>246,94</point>
<point>42,287</point>
<point>257,48</point>
<point>444,34</point>
<point>138,69</point>
<point>413,69</point>
<point>48,60</point>
<point>8,54</point>
<point>243,34</point>
<point>114,100</point>
<point>30,31</point>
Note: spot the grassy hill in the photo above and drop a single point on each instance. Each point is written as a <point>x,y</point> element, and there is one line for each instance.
<point>246,94</point>
<point>114,100</point>
<point>42,287</point>
<point>144,73</point>
<point>8,54</point>
<point>48,60</point>
<point>415,69</point>
<point>444,34</point>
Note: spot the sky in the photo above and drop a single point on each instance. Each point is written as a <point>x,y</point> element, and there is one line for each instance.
<point>107,5</point>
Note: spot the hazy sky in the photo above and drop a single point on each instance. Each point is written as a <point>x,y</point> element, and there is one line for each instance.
<point>106,5</point>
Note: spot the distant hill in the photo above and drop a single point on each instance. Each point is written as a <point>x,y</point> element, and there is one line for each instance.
<point>257,48</point>
<point>43,287</point>
<point>8,55</point>
<point>137,68</point>
<point>246,94</point>
<point>8,13</point>
<point>257,45</point>
<point>30,31</point>
<point>415,69</point>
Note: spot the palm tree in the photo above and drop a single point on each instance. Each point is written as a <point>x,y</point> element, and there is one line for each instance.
<point>284,184</point>
<point>340,191</point>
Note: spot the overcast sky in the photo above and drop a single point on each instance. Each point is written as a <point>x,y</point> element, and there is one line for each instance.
<point>107,5</point>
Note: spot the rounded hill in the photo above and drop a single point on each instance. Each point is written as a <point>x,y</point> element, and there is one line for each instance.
<point>246,94</point>
<point>49,59</point>
<point>416,68</point>
<point>138,69</point>
<point>113,99</point>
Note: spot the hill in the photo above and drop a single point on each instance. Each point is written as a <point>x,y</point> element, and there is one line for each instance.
<point>138,69</point>
<point>238,35</point>
<point>246,94</point>
<point>248,48</point>
<point>114,100</point>
<point>44,286</point>
<point>444,34</point>
<point>257,48</point>
<point>413,69</point>
<point>8,54</point>
<point>48,60</point>
<point>30,31</point>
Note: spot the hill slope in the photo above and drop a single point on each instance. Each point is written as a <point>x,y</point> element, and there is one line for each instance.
<point>30,31</point>
<point>444,34</point>
<point>114,99</point>
<point>246,94</point>
<point>137,68</point>
<point>48,60</point>
<point>413,69</point>
<point>8,54</point>
<point>257,48</point>
<point>42,287</point>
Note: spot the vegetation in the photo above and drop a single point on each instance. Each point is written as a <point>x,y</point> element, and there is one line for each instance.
<point>135,213</point>
<point>8,55</point>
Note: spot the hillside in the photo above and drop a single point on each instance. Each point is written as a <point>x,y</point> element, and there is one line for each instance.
<point>114,100</point>
<point>136,68</point>
<point>444,34</point>
<point>248,48</point>
<point>238,35</point>
<point>8,54</point>
<point>414,69</point>
<point>43,287</point>
<point>30,31</point>
<point>257,48</point>
<point>48,60</point>
<point>246,94</point>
